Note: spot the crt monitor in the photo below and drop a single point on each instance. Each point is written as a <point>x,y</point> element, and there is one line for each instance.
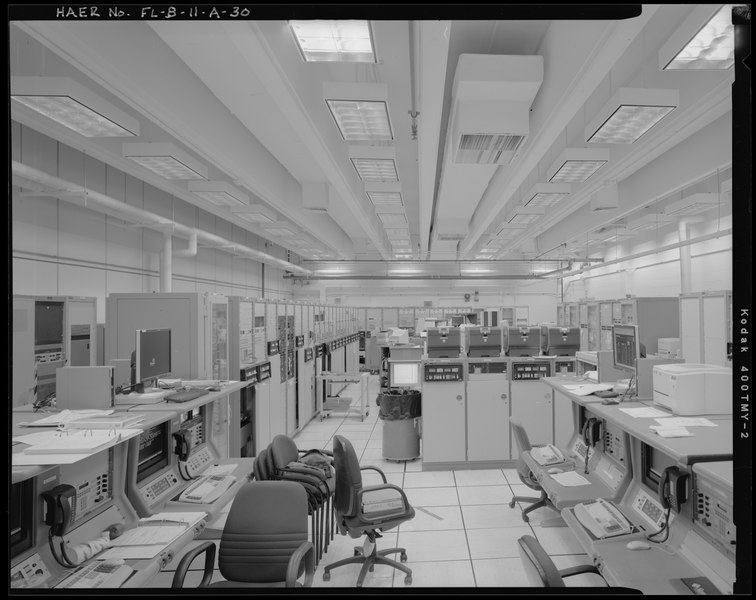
<point>625,347</point>
<point>404,374</point>
<point>154,450</point>
<point>21,516</point>
<point>153,356</point>
<point>483,341</point>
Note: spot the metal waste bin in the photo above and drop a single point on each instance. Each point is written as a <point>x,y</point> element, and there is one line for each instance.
<point>400,412</point>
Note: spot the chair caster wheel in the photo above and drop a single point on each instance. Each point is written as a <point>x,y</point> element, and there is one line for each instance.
<point>408,580</point>
<point>526,518</point>
<point>403,557</point>
<point>357,552</point>
<point>511,504</point>
<point>371,568</point>
<point>326,577</point>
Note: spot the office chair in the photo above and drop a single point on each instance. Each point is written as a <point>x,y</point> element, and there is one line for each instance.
<point>541,570</point>
<point>284,455</point>
<point>366,511</point>
<point>264,541</point>
<point>529,478</point>
<point>260,466</point>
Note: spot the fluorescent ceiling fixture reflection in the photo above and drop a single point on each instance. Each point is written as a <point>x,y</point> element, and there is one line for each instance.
<point>476,271</point>
<point>544,195</point>
<point>166,160</point>
<point>711,48</point>
<point>69,103</point>
<point>393,209</point>
<point>220,193</point>
<point>331,271</point>
<point>692,205</point>
<point>405,271</point>
<point>576,165</point>
<point>360,110</point>
<point>489,250</point>
<point>281,229</point>
<point>256,213</point>
<point>334,41</point>
<point>629,114</point>
<point>400,256</point>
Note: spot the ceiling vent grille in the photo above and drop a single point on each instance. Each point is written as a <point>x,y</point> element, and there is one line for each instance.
<point>491,99</point>
<point>487,149</point>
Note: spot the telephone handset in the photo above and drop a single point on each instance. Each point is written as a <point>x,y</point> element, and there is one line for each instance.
<point>673,490</point>
<point>60,504</point>
<point>591,435</point>
<point>183,445</point>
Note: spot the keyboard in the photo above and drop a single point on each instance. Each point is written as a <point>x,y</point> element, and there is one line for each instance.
<point>207,489</point>
<point>186,395</point>
<point>97,574</point>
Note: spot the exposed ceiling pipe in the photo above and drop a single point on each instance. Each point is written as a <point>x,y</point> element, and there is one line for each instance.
<point>191,250</point>
<point>71,192</point>
<point>680,244</point>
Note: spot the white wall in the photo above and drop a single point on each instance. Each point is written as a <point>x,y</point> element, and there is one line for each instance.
<point>61,249</point>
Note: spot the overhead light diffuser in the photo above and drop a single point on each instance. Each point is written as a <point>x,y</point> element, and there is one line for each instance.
<point>385,198</point>
<point>220,193</point>
<point>629,114</point>
<point>281,229</point>
<point>255,213</point>
<point>692,205</point>
<point>397,233</point>
<point>334,41</point>
<point>575,165</point>
<point>544,195</point>
<point>375,169</point>
<point>393,219</point>
<point>360,110</point>
<point>711,47</point>
<point>166,160</point>
<point>69,103</point>
<point>523,218</point>
<point>647,222</point>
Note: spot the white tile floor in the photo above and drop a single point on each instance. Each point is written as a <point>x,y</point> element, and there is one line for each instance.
<point>463,534</point>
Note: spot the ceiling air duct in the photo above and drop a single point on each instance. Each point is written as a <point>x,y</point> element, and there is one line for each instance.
<point>491,100</point>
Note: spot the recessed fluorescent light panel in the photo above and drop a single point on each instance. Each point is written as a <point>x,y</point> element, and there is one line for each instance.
<point>385,198</point>
<point>256,213</point>
<point>629,114</point>
<point>692,205</point>
<point>334,41</point>
<point>219,193</point>
<point>393,219</point>
<point>544,195</point>
<point>375,169</point>
<point>712,47</point>
<point>523,218</point>
<point>360,110</point>
<point>166,160</point>
<point>69,103</point>
<point>575,165</point>
<point>397,233</point>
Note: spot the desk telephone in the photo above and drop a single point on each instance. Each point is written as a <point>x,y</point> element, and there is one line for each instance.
<point>546,455</point>
<point>207,489</point>
<point>602,518</point>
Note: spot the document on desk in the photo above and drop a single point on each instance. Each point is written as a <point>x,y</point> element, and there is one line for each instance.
<point>644,412</point>
<point>152,534</point>
<point>570,479</point>
<point>65,416</point>
<point>586,389</point>
<point>673,432</point>
<point>683,422</point>
<point>220,469</point>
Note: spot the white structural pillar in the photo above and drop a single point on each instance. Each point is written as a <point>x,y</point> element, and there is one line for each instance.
<point>166,263</point>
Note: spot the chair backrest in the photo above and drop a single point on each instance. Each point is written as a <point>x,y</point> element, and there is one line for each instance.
<point>260,466</point>
<point>266,524</point>
<point>520,435</point>
<point>282,450</point>
<point>523,444</point>
<point>348,477</point>
<point>539,567</point>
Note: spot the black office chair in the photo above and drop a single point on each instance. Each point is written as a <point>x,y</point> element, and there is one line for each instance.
<point>528,477</point>
<point>366,511</point>
<point>264,541</point>
<point>541,570</point>
<point>283,456</point>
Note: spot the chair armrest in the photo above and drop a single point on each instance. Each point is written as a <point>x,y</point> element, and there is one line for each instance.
<point>297,467</point>
<point>209,549</point>
<point>579,569</point>
<point>306,552</point>
<point>387,512</point>
<point>382,474</point>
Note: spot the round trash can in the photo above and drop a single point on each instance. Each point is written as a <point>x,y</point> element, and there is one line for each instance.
<point>399,411</point>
